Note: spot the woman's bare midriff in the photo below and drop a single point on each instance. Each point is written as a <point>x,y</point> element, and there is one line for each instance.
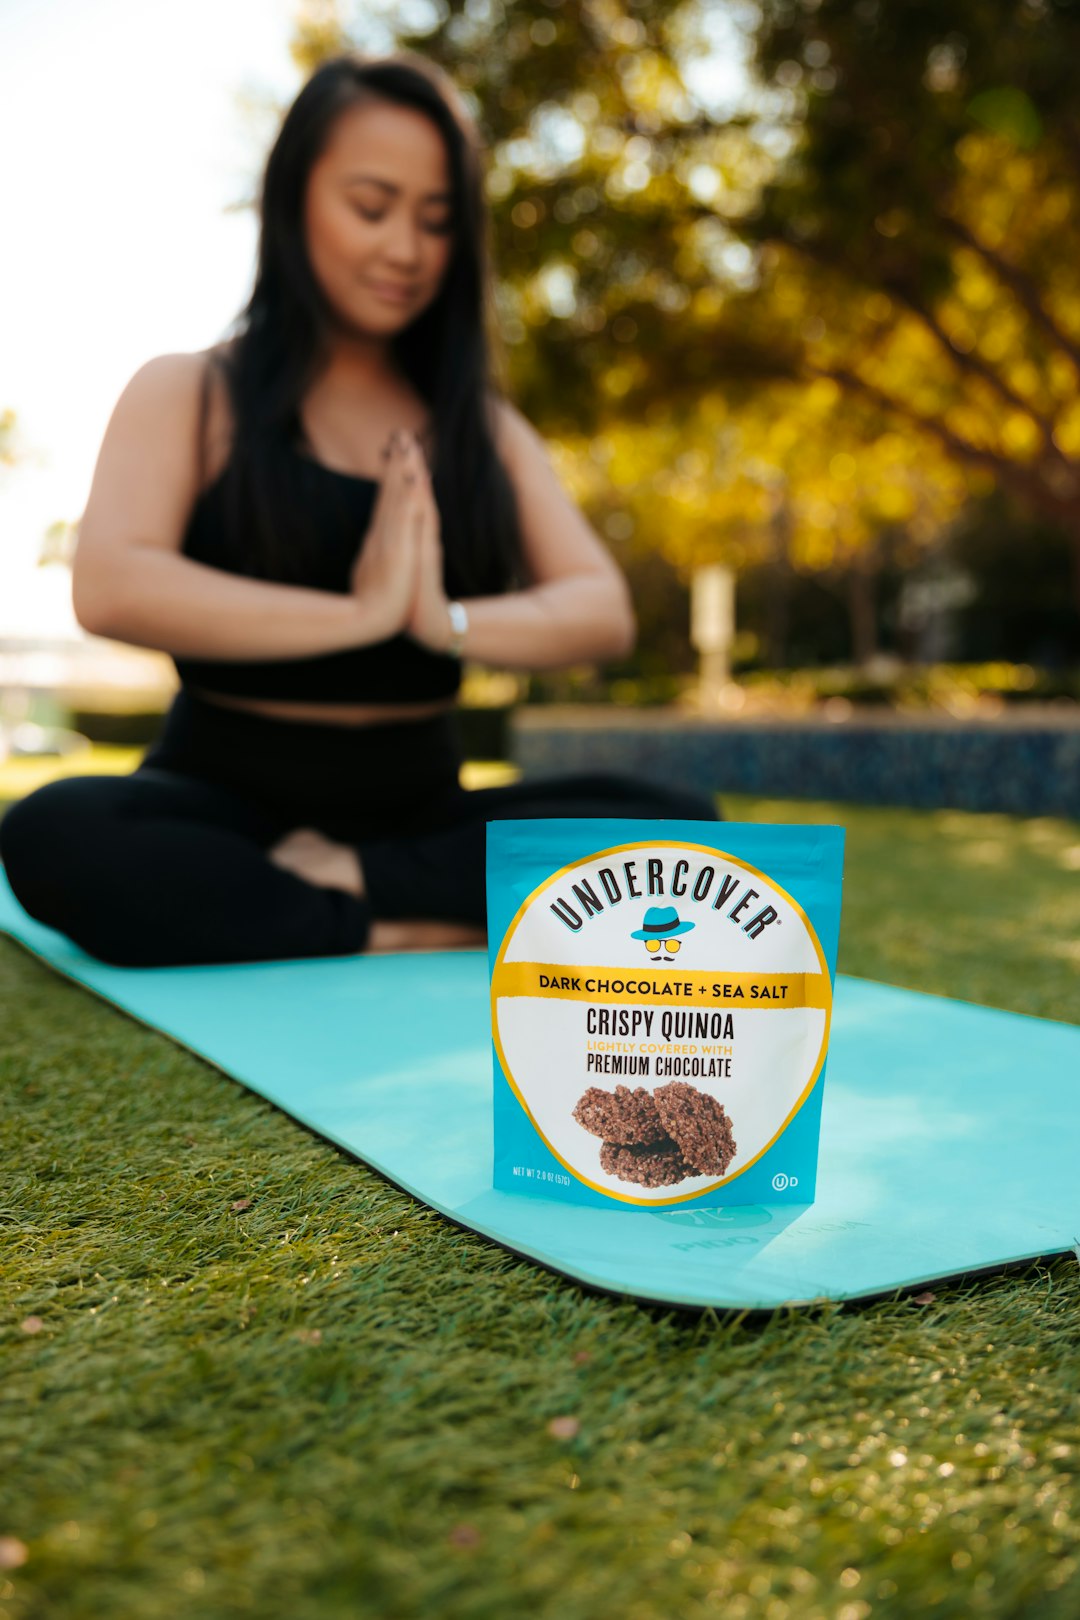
<point>335,714</point>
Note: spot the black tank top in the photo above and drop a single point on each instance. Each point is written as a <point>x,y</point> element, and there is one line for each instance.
<point>397,670</point>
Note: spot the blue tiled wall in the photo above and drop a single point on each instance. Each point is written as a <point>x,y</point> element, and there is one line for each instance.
<point>1024,770</point>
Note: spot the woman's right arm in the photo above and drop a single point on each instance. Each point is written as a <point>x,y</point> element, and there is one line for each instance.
<point>130,581</point>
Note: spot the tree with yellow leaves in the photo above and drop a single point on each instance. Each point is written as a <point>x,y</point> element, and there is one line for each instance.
<point>918,251</point>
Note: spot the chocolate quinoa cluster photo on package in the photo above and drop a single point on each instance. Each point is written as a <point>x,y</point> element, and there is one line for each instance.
<point>658,1138</point>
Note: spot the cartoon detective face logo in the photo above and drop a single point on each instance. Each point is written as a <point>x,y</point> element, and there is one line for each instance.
<point>659,931</point>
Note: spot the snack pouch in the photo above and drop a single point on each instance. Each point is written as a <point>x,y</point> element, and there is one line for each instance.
<point>661,996</point>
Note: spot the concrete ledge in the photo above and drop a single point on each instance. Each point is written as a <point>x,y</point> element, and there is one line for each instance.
<point>1022,763</point>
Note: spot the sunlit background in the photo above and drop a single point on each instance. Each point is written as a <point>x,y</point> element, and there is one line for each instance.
<point>817,388</point>
<point>132,132</point>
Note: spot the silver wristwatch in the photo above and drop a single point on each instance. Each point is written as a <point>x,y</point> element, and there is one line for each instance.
<point>459,622</point>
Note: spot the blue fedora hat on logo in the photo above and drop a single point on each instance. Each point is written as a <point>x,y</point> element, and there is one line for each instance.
<point>660,923</point>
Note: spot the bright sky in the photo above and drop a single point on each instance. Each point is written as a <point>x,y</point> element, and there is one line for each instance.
<point>125,140</point>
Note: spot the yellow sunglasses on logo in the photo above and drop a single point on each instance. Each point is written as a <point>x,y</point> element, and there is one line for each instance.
<point>653,945</point>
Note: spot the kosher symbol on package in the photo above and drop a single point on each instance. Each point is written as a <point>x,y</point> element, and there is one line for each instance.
<point>661,995</point>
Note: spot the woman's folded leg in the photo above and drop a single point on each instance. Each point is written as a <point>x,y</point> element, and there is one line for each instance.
<point>442,873</point>
<point>159,869</point>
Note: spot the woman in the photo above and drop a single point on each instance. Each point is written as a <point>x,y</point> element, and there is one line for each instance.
<point>317,519</point>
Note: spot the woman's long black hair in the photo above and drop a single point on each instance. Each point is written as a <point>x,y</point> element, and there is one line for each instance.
<point>277,344</point>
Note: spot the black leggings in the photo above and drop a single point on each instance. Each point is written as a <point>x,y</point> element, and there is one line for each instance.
<point>167,866</point>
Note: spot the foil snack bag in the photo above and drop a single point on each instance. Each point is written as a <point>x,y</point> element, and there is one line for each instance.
<point>661,996</point>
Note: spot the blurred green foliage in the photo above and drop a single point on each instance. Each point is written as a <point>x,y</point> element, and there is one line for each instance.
<point>948,688</point>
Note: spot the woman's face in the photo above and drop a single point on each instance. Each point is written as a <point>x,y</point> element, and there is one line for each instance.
<point>378,216</point>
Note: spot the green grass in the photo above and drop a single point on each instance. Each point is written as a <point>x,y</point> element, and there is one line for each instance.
<point>982,908</point>
<point>332,1403</point>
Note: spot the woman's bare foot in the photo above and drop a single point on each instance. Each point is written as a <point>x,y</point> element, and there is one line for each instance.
<point>423,934</point>
<point>330,865</point>
<point>322,861</point>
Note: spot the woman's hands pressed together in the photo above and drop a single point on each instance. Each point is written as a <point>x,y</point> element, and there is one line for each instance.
<point>429,617</point>
<point>398,574</point>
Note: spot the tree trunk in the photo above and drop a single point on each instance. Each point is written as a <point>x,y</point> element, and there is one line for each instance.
<point>862,612</point>
<point>778,591</point>
<point>777,615</point>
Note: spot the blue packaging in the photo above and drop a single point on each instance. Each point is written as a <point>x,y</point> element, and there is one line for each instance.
<point>661,998</point>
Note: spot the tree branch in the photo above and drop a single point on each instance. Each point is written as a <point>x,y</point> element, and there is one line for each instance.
<point>1022,480</point>
<point>970,362</point>
<point>974,363</point>
<point>1019,282</point>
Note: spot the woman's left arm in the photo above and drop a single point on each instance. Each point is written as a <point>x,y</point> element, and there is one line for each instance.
<point>578,608</point>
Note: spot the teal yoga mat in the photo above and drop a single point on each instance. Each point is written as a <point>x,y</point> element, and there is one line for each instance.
<point>949,1131</point>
